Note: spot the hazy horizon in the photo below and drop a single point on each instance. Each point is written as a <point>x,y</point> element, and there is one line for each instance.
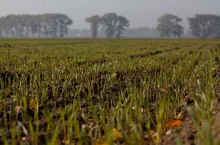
<point>141,13</point>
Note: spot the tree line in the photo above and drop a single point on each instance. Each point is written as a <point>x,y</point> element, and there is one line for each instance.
<point>169,25</point>
<point>201,25</point>
<point>57,25</point>
<point>45,25</point>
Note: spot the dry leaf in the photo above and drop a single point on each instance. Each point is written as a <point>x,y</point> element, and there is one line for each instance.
<point>4,90</point>
<point>101,141</point>
<point>18,109</point>
<point>32,103</point>
<point>66,142</point>
<point>174,122</point>
<point>163,90</point>
<point>116,134</point>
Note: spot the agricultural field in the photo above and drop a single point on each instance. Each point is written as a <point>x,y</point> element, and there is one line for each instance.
<point>110,91</point>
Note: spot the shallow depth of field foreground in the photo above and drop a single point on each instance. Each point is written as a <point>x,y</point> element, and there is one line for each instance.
<point>110,91</point>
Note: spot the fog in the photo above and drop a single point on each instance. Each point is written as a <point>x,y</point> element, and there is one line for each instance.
<point>139,12</point>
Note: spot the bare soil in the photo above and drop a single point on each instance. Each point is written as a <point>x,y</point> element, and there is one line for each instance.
<point>187,134</point>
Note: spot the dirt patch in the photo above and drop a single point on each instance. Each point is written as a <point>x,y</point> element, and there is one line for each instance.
<point>216,119</point>
<point>191,52</point>
<point>186,134</point>
<point>114,53</point>
<point>96,61</point>
<point>216,127</point>
<point>216,72</point>
<point>152,53</point>
<point>146,54</point>
<point>6,45</point>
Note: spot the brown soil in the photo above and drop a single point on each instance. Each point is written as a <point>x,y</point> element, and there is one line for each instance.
<point>6,45</point>
<point>142,55</point>
<point>187,134</point>
<point>146,54</point>
<point>96,61</point>
<point>216,124</point>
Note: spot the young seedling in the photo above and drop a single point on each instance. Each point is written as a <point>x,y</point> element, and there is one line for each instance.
<point>6,46</point>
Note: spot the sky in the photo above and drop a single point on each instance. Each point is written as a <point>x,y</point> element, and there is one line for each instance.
<point>141,13</point>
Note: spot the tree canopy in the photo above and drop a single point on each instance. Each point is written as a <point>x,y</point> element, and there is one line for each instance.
<point>168,26</point>
<point>204,25</point>
<point>94,21</point>
<point>113,24</point>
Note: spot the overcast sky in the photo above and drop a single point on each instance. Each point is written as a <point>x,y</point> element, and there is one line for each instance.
<point>139,12</point>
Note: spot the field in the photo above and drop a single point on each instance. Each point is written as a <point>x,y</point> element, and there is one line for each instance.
<point>110,91</point>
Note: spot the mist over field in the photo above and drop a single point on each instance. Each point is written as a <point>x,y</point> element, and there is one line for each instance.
<point>139,12</point>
